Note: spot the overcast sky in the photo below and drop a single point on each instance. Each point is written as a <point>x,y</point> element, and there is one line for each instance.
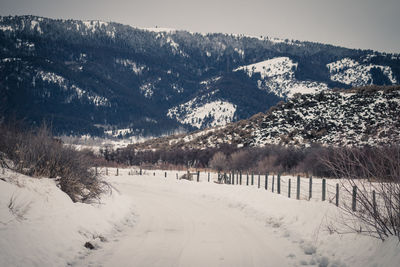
<point>372,24</point>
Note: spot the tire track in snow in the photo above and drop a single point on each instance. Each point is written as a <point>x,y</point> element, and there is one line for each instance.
<point>175,228</point>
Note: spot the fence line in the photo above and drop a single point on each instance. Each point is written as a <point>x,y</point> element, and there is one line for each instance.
<point>334,191</point>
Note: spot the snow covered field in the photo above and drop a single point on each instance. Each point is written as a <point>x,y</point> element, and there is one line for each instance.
<point>175,223</point>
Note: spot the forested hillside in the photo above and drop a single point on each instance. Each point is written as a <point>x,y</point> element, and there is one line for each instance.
<point>92,76</point>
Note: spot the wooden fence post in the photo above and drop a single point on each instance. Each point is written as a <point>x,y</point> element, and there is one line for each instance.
<point>298,188</point>
<point>374,203</point>
<point>198,176</point>
<point>165,174</point>
<point>96,170</point>
<point>354,200</point>
<point>279,183</point>
<point>252,178</point>
<point>208,177</point>
<point>323,189</point>
<point>289,188</point>
<point>310,189</point>
<point>247,180</point>
<point>117,172</point>
<point>337,195</point>
<point>140,171</point>
<point>259,180</point>
<point>266,181</point>
<point>176,176</point>
<point>240,177</point>
<point>273,182</point>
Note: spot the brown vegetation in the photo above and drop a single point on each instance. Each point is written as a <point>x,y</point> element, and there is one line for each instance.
<point>376,174</point>
<point>36,153</point>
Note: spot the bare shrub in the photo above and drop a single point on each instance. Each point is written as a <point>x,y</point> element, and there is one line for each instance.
<point>219,162</point>
<point>37,153</point>
<point>312,163</point>
<point>370,169</point>
<point>240,160</point>
<point>267,164</point>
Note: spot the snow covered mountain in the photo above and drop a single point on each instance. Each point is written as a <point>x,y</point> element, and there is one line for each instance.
<point>357,117</point>
<point>96,77</point>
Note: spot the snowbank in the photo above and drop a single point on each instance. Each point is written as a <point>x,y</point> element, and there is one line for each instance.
<point>305,228</point>
<point>41,226</point>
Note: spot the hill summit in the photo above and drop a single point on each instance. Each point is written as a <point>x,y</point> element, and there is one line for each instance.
<point>357,117</point>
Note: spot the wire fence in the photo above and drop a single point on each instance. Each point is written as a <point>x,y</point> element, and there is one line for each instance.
<point>338,192</point>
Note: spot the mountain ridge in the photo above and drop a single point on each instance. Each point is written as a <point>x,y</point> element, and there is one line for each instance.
<point>93,76</point>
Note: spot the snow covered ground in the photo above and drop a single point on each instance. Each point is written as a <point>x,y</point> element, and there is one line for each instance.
<point>41,226</point>
<point>177,223</point>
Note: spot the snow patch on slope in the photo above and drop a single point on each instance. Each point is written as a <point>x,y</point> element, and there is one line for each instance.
<point>277,76</point>
<point>215,113</point>
<point>147,89</point>
<point>351,72</point>
<point>36,26</point>
<point>166,38</point>
<point>270,68</point>
<point>6,28</point>
<point>53,78</point>
<point>135,67</point>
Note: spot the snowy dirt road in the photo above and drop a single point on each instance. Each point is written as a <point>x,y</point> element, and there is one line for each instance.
<point>151,220</point>
<point>177,227</point>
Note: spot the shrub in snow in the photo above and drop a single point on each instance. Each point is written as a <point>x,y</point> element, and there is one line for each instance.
<point>37,153</point>
<point>374,178</point>
<point>219,162</point>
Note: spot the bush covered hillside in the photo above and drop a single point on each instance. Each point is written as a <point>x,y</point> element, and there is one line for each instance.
<point>356,117</point>
<point>96,77</point>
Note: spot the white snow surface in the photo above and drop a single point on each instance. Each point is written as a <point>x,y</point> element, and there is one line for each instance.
<point>351,72</point>
<point>43,227</point>
<point>177,223</point>
<point>277,76</point>
<point>214,113</point>
<point>183,223</point>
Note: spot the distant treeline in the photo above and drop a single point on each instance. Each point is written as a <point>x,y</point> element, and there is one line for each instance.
<point>315,160</point>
